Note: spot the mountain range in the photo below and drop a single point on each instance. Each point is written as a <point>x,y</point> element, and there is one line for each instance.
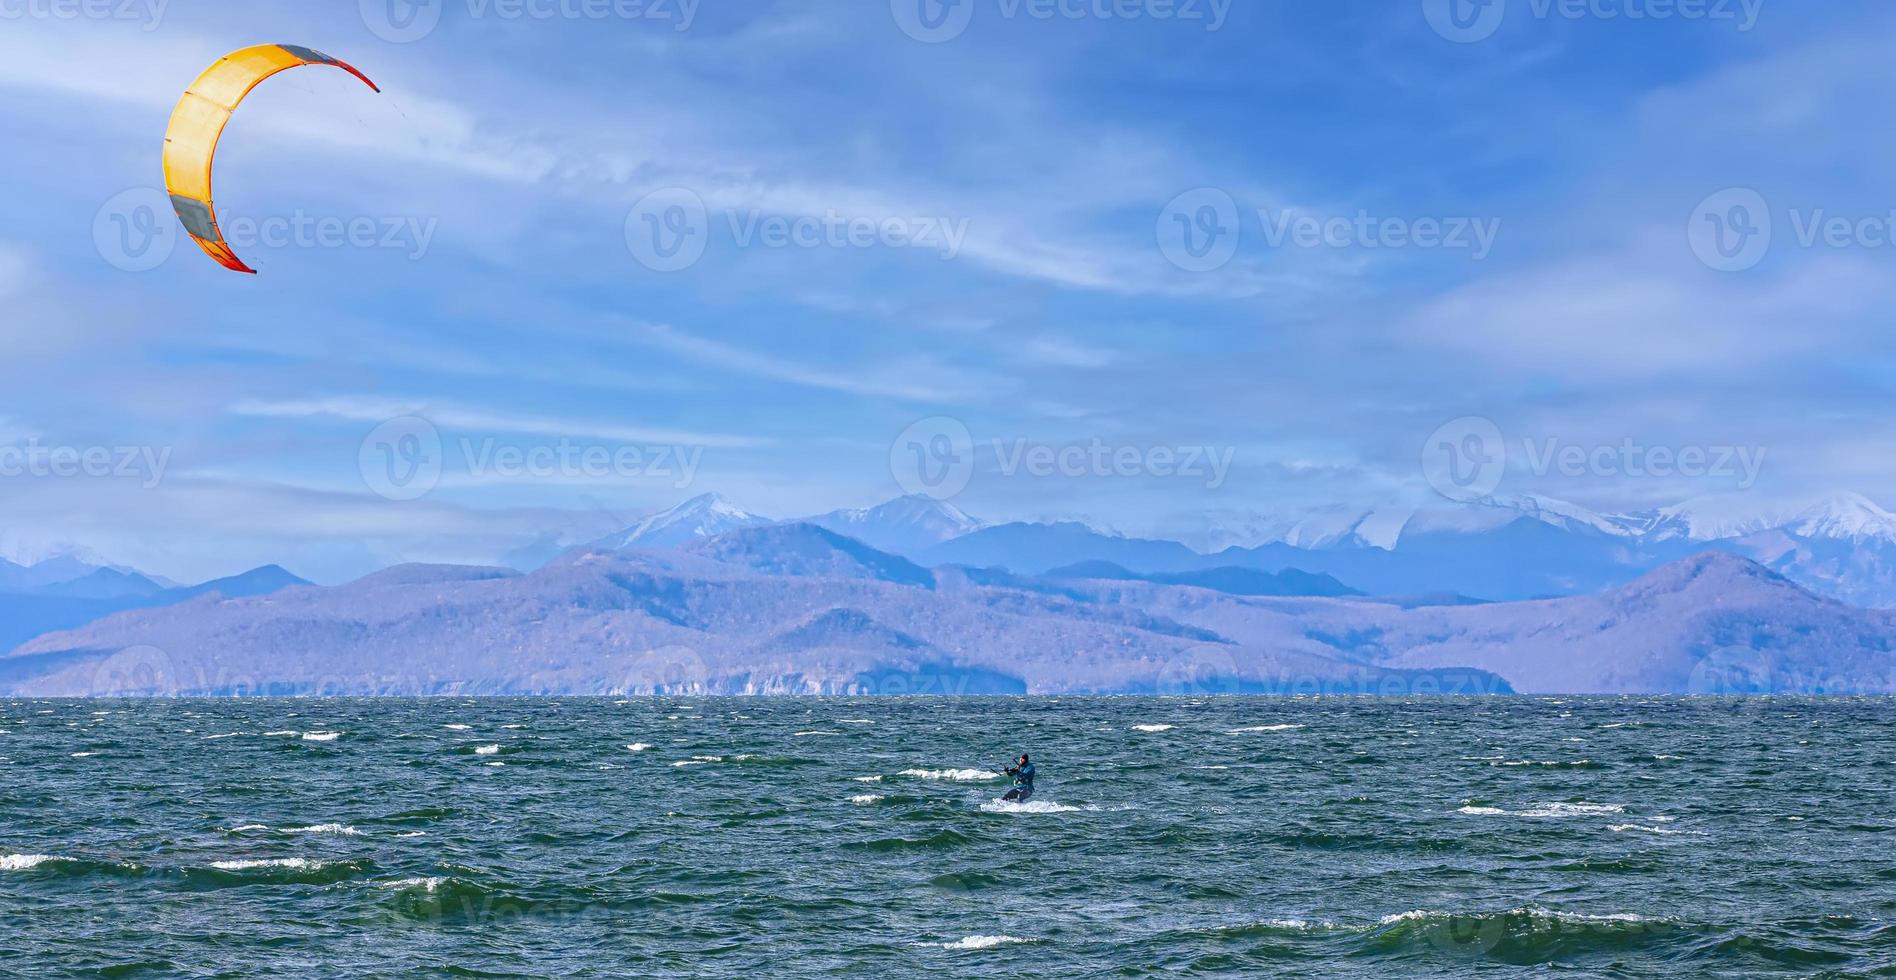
<point>797,608</point>
<point>1499,548</point>
<point>1521,593</point>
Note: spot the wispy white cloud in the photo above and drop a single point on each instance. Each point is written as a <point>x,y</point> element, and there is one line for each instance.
<point>378,410</point>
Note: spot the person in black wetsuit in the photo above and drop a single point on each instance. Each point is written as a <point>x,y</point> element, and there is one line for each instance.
<point>1023,781</point>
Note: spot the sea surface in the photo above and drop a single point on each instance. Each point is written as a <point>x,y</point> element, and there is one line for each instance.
<point>792,838</point>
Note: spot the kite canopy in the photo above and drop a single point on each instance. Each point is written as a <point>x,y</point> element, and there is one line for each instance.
<point>198,121</point>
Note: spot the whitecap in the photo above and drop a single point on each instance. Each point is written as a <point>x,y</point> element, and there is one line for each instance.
<point>21,862</point>
<point>867,798</point>
<point>84,755</point>
<point>280,734</point>
<point>1621,828</point>
<point>1263,728</point>
<point>854,721</point>
<point>213,738</point>
<point>412,833</point>
<point>425,884</point>
<point>324,828</point>
<point>638,747</point>
<point>1153,728</point>
<point>865,779</point>
<point>457,728</point>
<point>487,750</point>
<point>321,736</point>
<point>1042,806</point>
<point>1547,810</point>
<point>298,863</point>
<point>246,828</point>
<point>953,775</point>
<point>815,732</point>
<point>980,942</point>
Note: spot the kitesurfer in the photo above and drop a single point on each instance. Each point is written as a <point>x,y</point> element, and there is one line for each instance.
<point>1023,774</point>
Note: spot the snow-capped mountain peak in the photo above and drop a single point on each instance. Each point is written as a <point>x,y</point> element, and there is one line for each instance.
<point>1846,517</point>
<point>905,525</point>
<point>704,516</point>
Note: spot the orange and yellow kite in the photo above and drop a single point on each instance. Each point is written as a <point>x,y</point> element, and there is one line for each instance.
<point>191,141</point>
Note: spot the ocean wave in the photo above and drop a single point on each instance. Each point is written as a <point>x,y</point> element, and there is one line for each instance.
<point>250,864</point>
<point>1153,728</point>
<point>422,884</point>
<point>953,775</point>
<point>1622,828</point>
<point>1547,810</point>
<point>867,798</point>
<point>1263,728</point>
<point>638,747</point>
<point>815,732</point>
<point>487,750</point>
<point>1036,806</point>
<point>697,760</point>
<point>84,755</point>
<point>213,738</point>
<point>283,734</point>
<point>1522,936</point>
<point>321,736</point>
<point>324,828</point>
<point>865,779</point>
<point>854,721</point>
<point>22,862</point>
<point>247,828</point>
<point>980,942</point>
<point>457,728</point>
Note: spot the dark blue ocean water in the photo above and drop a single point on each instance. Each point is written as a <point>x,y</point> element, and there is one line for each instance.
<point>834,837</point>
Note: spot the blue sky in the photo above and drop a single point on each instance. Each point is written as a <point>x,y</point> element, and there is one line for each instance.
<point>1010,192</point>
